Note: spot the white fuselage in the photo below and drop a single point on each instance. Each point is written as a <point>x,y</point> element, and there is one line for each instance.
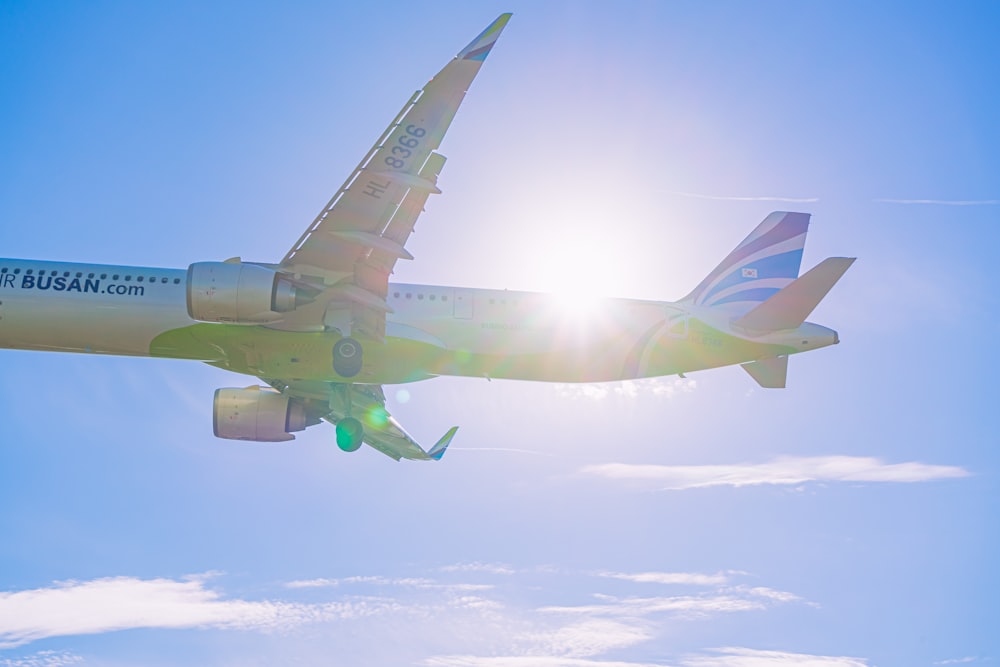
<point>432,330</point>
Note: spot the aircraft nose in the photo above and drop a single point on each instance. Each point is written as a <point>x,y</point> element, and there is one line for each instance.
<point>836,338</point>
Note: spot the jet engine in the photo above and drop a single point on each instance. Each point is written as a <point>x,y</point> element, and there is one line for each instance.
<point>256,414</point>
<point>238,293</point>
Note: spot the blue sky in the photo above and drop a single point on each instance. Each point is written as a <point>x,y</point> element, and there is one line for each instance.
<point>848,520</point>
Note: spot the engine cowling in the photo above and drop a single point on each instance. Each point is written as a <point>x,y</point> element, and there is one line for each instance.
<point>238,293</point>
<point>256,414</point>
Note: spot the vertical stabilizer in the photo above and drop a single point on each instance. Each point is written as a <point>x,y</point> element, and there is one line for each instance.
<point>764,263</point>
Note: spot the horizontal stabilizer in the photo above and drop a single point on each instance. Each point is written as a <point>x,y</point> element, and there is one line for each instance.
<point>437,451</point>
<point>790,307</point>
<point>769,373</point>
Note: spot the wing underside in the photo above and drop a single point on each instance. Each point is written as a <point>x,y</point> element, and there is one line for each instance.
<point>354,243</point>
<point>333,402</point>
<point>344,258</point>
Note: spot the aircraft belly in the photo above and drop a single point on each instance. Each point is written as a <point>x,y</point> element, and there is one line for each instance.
<point>600,356</point>
<point>290,355</point>
<point>84,323</point>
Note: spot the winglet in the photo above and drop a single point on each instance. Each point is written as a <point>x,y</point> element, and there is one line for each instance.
<point>437,451</point>
<point>480,47</point>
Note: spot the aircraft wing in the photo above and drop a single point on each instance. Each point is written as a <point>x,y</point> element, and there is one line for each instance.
<point>355,241</point>
<point>327,401</point>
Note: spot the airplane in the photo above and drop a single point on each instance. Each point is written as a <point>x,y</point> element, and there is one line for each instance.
<point>324,329</point>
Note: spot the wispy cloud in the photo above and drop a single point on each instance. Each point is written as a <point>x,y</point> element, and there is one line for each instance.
<point>747,657</point>
<point>489,568</point>
<point>958,661</point>
<point>685,578</point>
<point>405,582</point>
<point>526,661</point>
<point>568,645</point>
<point>686,606</point>
<point>780,471</point>
<point>590,637</point>
<point>791,200</point>
<point>43,659</point>
<point>120,603</point>
<point>943,202</point>
<point>721,657</point>
<point>771,594</point>
<point>486,629</point>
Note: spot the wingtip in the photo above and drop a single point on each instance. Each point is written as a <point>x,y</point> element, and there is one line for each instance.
<point>480,47</point>
<point>438,450</point>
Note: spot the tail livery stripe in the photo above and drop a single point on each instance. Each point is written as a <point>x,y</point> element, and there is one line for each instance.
<point>785,265</point>
<point>771,254</point>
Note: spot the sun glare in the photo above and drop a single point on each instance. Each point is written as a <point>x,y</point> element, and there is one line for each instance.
<point>575,305</point>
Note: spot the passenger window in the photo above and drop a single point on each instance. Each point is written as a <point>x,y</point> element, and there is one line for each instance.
<point>444,298</point>
<point>79,274</point>
<point>89,276</point>
<point>164,280</point>
<point>17,270</point>
<point>28,272</point>
<point>420,297</point>
<point>103,276</point>
<point>41,272</point>
<point>137,279</point>
<point>177,281</point>
<point>409,296</point>
<point>114,277</point>
<point>3,270</point>
<point>433,297</point>
<point>395,295</point>
<point>128,278</point>
<point>65,273</point>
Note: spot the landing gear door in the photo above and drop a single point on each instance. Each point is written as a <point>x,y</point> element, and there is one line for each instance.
<point>463,304</point>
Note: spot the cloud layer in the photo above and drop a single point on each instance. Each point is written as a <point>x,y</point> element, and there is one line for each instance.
<point>120,603</point>
<point>746,657</point>
<point>780,471</point>
<point>483,620</point>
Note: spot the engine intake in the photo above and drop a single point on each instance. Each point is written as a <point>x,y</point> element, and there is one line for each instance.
<point>256,414</point>
<point>238,293</point>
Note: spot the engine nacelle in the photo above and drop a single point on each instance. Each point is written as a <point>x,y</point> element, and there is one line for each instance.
<point>256,414</point>
<point>238,293</point>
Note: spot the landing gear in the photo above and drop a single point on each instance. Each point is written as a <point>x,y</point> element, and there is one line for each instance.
<point>349,434</point>
<point>347,358</point>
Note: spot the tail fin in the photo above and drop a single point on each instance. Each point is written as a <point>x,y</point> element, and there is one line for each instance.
<point>790,307</point>
<point>764,263</point>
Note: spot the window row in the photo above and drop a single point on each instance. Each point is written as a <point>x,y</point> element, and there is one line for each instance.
<point>90,276</point>
<point>420,297</point>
